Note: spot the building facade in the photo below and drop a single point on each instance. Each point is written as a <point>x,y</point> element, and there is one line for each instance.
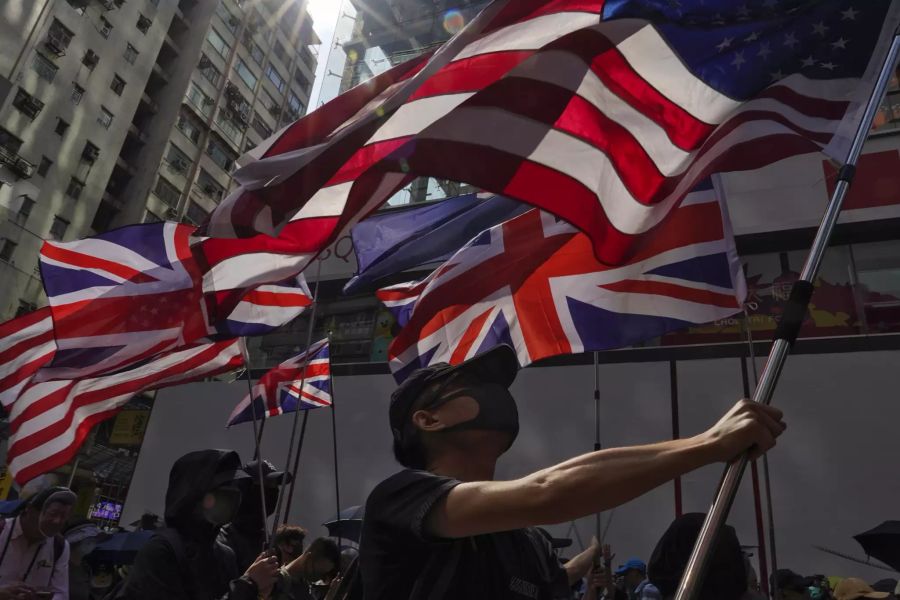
<point>128,111</point>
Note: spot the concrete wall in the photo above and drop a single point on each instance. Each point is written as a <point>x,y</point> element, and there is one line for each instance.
<point>834,474</point>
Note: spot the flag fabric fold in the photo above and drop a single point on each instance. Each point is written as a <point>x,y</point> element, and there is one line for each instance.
<point>50,420</point>
<point>26,345</point>
<point>603,113</point>
<point>533,283</point>
<point>299,383</point>
<point>394,242</point>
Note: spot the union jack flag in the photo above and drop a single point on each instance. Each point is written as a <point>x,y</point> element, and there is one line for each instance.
<point>534,284</point>
<point>604,113</point>
<point>289,387</point>
<point>129,294</point>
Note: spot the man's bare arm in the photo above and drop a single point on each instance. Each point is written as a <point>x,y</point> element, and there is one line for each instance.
<point>599,481</point>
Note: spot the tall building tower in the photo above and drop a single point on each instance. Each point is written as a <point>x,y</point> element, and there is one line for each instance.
<point>124,111</point>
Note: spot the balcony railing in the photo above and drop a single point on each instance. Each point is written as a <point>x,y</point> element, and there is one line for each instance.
<point>16,163</point>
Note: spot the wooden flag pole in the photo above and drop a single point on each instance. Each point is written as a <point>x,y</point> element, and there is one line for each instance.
<point>787,331</point>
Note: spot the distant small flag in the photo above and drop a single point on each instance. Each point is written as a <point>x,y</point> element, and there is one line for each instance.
<point>289,387</point>
<point>26,345</point>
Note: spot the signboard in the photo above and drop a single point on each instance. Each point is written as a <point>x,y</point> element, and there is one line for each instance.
<point>128,428</point>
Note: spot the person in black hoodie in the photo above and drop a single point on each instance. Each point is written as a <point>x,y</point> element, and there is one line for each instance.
<point>246,533</point>
<point>184,561</point>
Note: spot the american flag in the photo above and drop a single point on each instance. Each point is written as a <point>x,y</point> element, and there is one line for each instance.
<point>289,387</point>
<point>533,283</point>
<point>26,345</point>
<point>50,420</point>
<point>132,293</point>
<point>604,113</point>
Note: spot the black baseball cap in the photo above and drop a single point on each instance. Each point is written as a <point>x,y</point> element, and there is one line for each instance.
<point>272,477</point>
<point>498,365</point>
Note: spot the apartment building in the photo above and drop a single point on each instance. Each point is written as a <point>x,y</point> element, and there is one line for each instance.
<point>125,111</point>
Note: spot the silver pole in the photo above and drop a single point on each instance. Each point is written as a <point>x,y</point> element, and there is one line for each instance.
<point>290,450</point>
<point>693,574</point>
<point>72,474</point>
<point>257,439</point>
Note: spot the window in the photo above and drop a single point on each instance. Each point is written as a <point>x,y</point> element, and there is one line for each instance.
<point>196,214</point>
<point>220,154</point>
<point>149,217</point>
<point>44,167</point>
<point>279,51</point>
<point>90,59</point>
<point>25,308</point>
<point>105,117</point>
<point>77,5</point>
<point>9,141</point>
<point>269,102</point>
<point>260,127</point>
<point>210,186</point>
<point>61,128</point>
<point>275,77</point>
<point>231,21</point>
<point>25,207</point>
<point>131,54</point>
<point>105,27</point>
<point>118,85</point>
<point>215,40</point>
<point>189,126</point>
<point>199,99</point>
<point>7,247</point>
<point>90,153</point>
<point>75,188</point>
<point>167,192</point>
<point>77,93</point>
<point>300,78</point>
<point>256,53</point>
<point>245,73</point>
<point>295,104</point>
<point>227,127</point>
<point>58,228</point>
<point>58,38</point>
<point>27,104</point>
<point>44,67</point>
<point>209,70</point>
<point>177,160</point>
<point>143,24</point>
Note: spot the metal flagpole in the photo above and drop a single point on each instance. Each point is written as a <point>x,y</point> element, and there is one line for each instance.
<point>597,446</point>
<point>765,459</point>
<point>290,451</point>
<point>290,498</point>
<point>795,311</point>
<point>72,474</point>
<point>337,486</point>
<point>257,439</point>
<point>757,500</point>
<point>676,429</point>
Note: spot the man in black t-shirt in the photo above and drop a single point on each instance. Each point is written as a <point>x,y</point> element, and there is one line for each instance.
<point>443,529</point>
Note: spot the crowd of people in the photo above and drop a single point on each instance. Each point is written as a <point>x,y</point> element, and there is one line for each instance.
<point>440,528</point>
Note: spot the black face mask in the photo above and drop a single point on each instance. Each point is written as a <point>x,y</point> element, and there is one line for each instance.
<point>496,409</point>
<point>221,505</point>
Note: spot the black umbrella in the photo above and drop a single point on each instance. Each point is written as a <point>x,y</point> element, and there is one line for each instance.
<point>882,543</point>
<point>347,524</point>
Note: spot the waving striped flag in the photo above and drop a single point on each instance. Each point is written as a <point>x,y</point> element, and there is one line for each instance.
<point>605,113</point>
<point>50,420</point>
<point>532,283</point>
<point>26,345</point>
<point>289,387</point>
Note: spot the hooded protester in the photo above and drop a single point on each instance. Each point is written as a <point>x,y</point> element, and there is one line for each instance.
<point>185,561</point>
<point>726,577</point>
<point>246,534</point>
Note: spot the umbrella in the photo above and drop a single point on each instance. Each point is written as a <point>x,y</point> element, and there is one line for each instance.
<point>347,524</point>
<point>882,543</point>
<point>121,548</point>
<point>7,507</point>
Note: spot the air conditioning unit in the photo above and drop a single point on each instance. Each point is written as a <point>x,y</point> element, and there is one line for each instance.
<point>171,213</point>
<point>210,189</point>
<point>91,59</point>
<point>179,165</point>
<point>56,43</point>
<point>233,21</point>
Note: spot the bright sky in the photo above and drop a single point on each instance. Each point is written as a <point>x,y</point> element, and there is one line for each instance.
<point>325,14</point>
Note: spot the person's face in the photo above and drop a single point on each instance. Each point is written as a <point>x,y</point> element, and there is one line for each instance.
<point>220,506</point>
<point>290,551</point>
<point>53,517</point>
<point>318,568</point>
<point>633,578</point>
